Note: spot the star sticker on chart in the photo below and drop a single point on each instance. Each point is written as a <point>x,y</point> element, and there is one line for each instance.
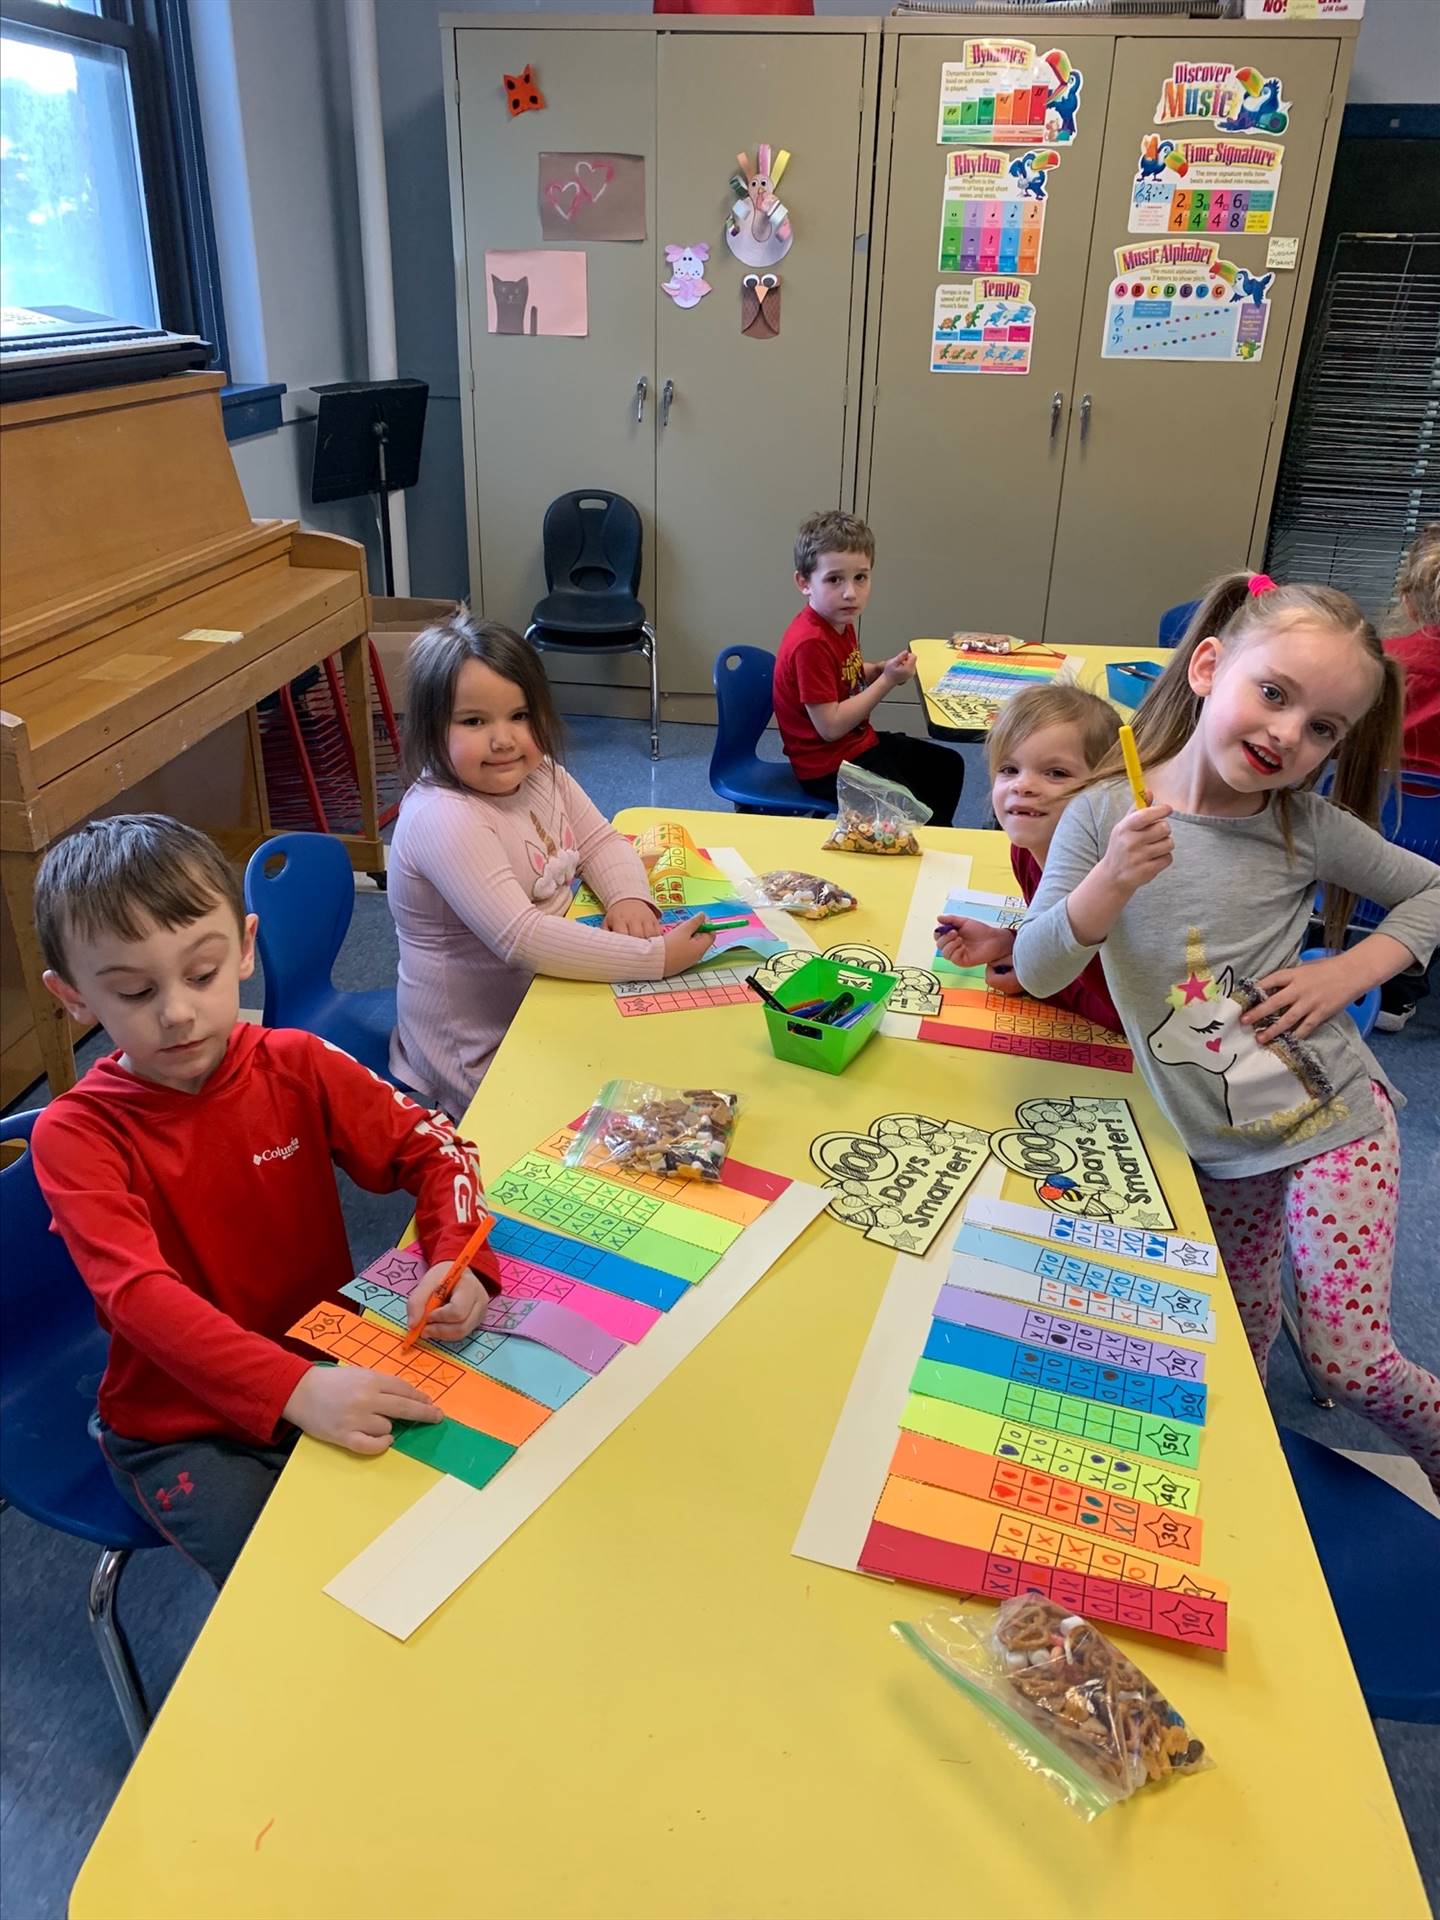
<point>1190,1255</point>
<point>1152,1219</point>
<point>1192,1622</point>
<point>321,1323</point>
<point>1166,1492</point>
<point>1186,1585</point>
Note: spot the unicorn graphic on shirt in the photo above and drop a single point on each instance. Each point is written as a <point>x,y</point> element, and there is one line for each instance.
<point>1268,1089</point>
<point>554,867</point>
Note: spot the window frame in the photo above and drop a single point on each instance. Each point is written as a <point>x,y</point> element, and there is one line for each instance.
<point>154,36</point>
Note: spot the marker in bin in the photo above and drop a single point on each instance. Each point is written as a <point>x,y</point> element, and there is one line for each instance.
<point>841,1011</point>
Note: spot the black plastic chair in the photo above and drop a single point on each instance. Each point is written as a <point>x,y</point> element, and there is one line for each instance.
<point>593,550</point>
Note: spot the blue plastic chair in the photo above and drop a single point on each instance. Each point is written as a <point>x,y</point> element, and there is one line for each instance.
<point>744,685</point>
<point>1380,1553</point>
<point>302,887</point>
<point>1174,621</point>
<point>52,1354</point>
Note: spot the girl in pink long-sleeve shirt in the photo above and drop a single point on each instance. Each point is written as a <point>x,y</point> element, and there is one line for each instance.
<point>491,833</point>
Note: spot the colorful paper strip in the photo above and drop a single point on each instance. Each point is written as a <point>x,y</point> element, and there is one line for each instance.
<point>614,1272</point>
<point>1169,1440</point>
<point>459,1393</point>
<point>935,1563</point>
<point>1063,1374</point>
<point>964,1521</point>
<point>1072,1230</point>
<point>674,1238</point>
<point>532,1370</point>
<point>451,1448</point>
<point>1029,1490</point>
<point>1089,1463</point>
<point>1057,1334</point>
<point>1001,1263</point>
<point>727,1198</point>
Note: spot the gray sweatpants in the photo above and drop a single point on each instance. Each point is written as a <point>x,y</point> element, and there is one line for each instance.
<point>203,1495</point>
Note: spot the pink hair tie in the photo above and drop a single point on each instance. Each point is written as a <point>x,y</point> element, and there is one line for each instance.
<point>1261,583</point>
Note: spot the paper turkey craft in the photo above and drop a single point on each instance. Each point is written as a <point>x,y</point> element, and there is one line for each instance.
<point>758,231</point>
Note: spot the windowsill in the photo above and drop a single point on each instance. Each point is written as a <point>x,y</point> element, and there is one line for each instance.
<point>251,409</point>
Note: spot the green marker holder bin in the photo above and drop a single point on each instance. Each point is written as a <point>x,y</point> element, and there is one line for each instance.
<point>811,1043</point>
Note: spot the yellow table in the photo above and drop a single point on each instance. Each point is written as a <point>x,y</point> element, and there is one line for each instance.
<point>643,1705</point>
<point>934,656</point>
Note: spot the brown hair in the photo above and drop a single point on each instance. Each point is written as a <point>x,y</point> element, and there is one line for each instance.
<point>1057,705</point>
<point>1368,757</point>
<point>831,532</point>
<point>125,874</point>
<point>434,666</point>
<point>1419,582</point>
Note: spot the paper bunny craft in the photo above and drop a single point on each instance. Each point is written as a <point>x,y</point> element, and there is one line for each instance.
<point>687,285</point>
<point>758,231</point>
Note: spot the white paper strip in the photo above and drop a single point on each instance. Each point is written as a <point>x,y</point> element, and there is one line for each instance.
<point>420,1559</point>
<point>938,873</point>
<point>1170,1250</point>
<point>858,1461</point>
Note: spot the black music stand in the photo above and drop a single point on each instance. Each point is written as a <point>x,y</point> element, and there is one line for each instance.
<point>367,440</point>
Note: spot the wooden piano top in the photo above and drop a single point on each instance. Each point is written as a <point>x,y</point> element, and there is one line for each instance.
<point>124,538</point>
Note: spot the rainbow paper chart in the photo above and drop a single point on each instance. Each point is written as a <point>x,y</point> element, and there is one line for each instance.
<point>1034,1452</point>
<point>568,1309</point>
<point>1107,1552</point>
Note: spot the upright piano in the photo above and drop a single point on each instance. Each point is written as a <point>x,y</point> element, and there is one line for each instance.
<point>142,610</point>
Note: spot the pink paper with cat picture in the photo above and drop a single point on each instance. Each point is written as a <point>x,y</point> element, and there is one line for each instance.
<point>592,196</point>
<point>530,292</point>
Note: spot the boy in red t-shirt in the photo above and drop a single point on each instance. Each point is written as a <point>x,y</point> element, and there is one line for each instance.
<point>825,692</point>
<point>190,1176</point>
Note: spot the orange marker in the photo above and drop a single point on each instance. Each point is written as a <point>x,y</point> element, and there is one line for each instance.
<point>452,1279</point>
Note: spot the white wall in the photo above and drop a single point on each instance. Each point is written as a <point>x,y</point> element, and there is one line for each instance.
<point>275,103</point>
<point>1398,59</point>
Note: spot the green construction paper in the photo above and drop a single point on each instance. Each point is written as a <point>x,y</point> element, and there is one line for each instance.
<point>451,1448</point>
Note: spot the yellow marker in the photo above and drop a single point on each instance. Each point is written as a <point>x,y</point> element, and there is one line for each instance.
<point>1132,766</point>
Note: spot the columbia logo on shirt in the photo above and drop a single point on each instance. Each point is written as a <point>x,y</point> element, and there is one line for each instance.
<point>278,1153</point>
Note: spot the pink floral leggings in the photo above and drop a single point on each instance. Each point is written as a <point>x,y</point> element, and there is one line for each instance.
<point>1337,1213</point>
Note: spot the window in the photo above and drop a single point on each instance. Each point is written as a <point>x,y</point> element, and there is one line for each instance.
<point>103,201</point>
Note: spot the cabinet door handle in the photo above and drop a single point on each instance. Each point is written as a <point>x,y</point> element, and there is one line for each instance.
<point>642,387</point>
<point>667,394</point>
<point>1084,418</point>
<point>1057,404</point>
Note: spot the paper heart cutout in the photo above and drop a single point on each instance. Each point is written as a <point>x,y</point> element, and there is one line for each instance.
<point>564,196</point>
<point>593,176</point>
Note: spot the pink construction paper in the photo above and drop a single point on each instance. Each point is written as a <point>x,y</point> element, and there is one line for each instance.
<point>560,1329</point>
<point>628,1320</point>
<point>540,292</point>
<point>400,1269</point>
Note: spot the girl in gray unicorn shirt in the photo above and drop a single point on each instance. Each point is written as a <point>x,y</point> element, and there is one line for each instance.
<point>1198,904</point>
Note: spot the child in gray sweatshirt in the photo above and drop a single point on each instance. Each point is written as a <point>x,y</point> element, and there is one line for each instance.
<point>1197,905</point>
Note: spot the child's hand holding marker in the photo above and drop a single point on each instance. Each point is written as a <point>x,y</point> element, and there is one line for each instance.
<point>458,1313</point>
<point>972,943</point>
<point>1141,844</point>
<point>686,944</point>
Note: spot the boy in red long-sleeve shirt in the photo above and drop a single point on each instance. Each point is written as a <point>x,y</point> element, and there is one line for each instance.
<point>190,1176</point>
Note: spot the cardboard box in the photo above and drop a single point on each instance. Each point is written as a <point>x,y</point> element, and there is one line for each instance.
<point>395,625</point>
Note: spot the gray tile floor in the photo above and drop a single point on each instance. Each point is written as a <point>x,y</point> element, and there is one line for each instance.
<point>62,1754</point>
